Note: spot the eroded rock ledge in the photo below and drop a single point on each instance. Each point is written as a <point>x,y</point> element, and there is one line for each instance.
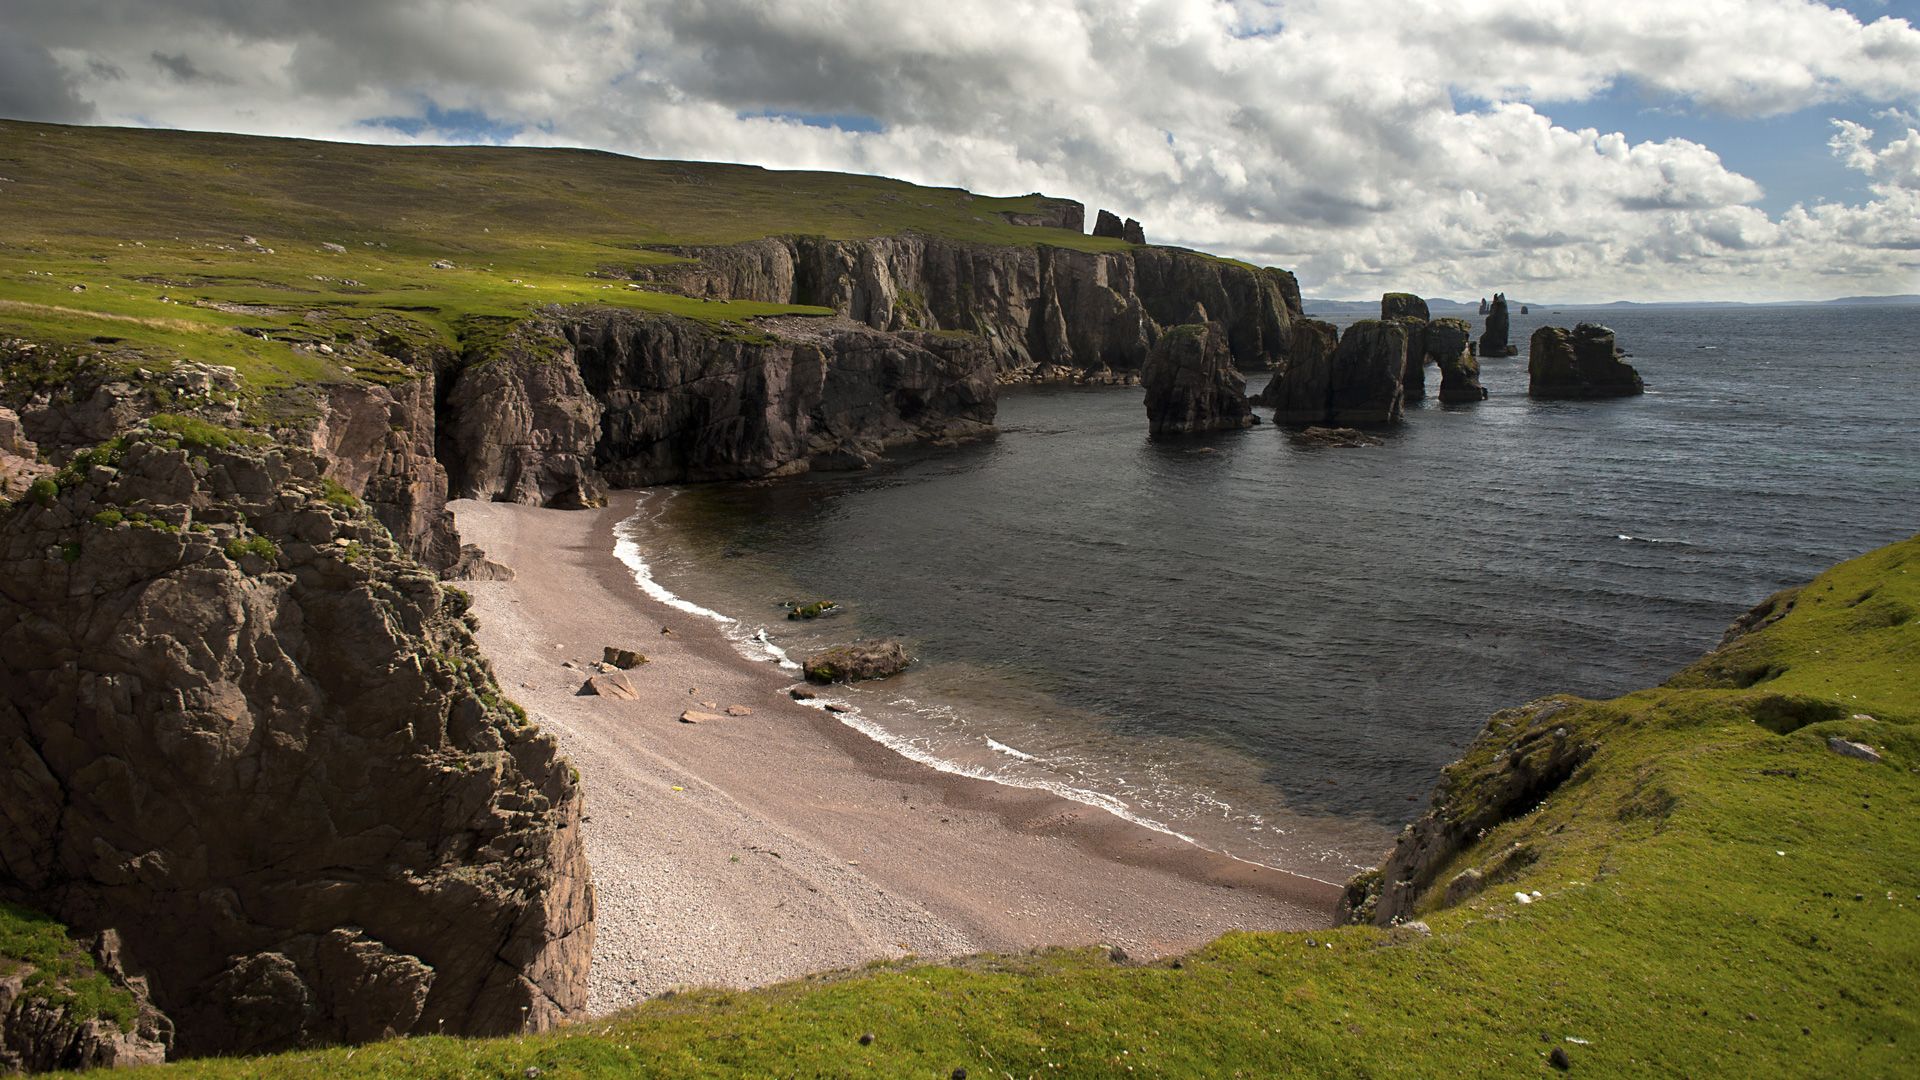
<point>249,732</point>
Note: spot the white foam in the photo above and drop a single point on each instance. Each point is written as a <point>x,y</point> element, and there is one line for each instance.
<point>753,644</point>
<point>999,747</point>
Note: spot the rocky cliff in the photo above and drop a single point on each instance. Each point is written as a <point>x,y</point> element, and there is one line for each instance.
<point>249,732</point>
<point>585,398</point>
<point>1033,307</point>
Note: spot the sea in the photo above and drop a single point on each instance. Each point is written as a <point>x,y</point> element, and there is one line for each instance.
<point>1272,650</point>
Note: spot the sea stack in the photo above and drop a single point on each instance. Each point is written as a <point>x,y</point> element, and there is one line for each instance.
<point>1450,345</point>
<point>1494,341</point>
<point>1298,392</point>
<point>1411,313</point>
<point>1581,363</point>
<point>1192,385</point>
<point>1369,373</point>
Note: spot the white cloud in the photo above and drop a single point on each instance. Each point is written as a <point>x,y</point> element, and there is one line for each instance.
<point>1366,145</point>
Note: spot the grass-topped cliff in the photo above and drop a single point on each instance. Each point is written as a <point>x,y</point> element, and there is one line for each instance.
<point>144,247</point>
<point>1710,890</point>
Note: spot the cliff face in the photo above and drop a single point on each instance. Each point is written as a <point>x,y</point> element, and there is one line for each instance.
<point>1033,306</point>
<point>43,1024</point>
<point>636,399</point>
<point>250,733</point>
<point>379,444</point>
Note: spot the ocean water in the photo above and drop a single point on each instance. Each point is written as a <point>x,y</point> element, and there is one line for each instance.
<point>1273,650</point>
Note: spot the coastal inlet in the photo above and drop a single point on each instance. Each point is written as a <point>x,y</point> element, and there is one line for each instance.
<point>1273,649</point>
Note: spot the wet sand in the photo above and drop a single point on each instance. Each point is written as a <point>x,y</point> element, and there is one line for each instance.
<point>753,849</point>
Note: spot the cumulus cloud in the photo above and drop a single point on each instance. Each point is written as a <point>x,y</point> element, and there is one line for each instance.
<point>1366,145</point>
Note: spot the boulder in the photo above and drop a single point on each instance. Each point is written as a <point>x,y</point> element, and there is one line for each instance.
<point>1298,393</point>
<point>1107,223</point>
<point>622,658</point>
<point>1399,305</point>
<point>1450,345</point>
<point>1369,372</point>
<point>693,716</point>
<point>1581,363</point>
<point>875,659</point>
<point>1494,341</point>
<point>1849,748</point>
<point>1132,233</point>
<point>1192,385</point>
<point>612,685</point>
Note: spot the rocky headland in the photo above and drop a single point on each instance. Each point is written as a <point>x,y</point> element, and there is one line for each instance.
<point>251,735</point>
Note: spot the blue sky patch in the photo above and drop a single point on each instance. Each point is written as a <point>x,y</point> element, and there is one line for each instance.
<point>455,125</point>
<point>831,121</point>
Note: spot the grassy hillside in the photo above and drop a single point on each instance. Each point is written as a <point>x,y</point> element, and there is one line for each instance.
<point>147,246</point>
<point>1714,892</point>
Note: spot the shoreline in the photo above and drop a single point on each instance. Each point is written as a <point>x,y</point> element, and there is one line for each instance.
<point>754,849</point>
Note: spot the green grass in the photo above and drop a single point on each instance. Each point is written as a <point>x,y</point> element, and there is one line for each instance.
<point>63,972</point>
<point>151,224</point>
<point>1717,898</point>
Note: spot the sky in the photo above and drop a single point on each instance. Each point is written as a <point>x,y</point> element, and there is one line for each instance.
<point>1558,150</point>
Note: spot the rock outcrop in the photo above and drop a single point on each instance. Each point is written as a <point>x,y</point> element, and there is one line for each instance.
<point>1449,345</point>
<point>1582,363</point>
<point>522,427</point>
<point>1107,224</point>
<point>266,750</point>
<point>20,463</point>
<point>1493,342</point>
<point>1033,307</point>
<point>1051,213</point>
<point>1399,305</point>
<point>44,1027</point>
<point>1299,393</point>
<point>1192,385</point>
<point>857,662</point>
<point>378,442</point>
<point>1519,758</point>
<point>1132,233</point>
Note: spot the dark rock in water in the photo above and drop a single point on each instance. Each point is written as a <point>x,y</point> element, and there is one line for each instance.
<point>1581,363</point>
<point>1107,223</point>
<point>1525,310</point>
<point>1483,305</point>
<point>1494,341</point>
<point>1331,436</point>
<point>1413,381</point>
<point>1399,305</point>
<point>1298,393</point>
<point>801,693</point>
<point>1132,233</point>
<point>1450,345</point>
<point>1369,371</point>
<point>1192,385</point>
<point>277,763</point>
<point>813,610</point>
<point>860,660</point>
